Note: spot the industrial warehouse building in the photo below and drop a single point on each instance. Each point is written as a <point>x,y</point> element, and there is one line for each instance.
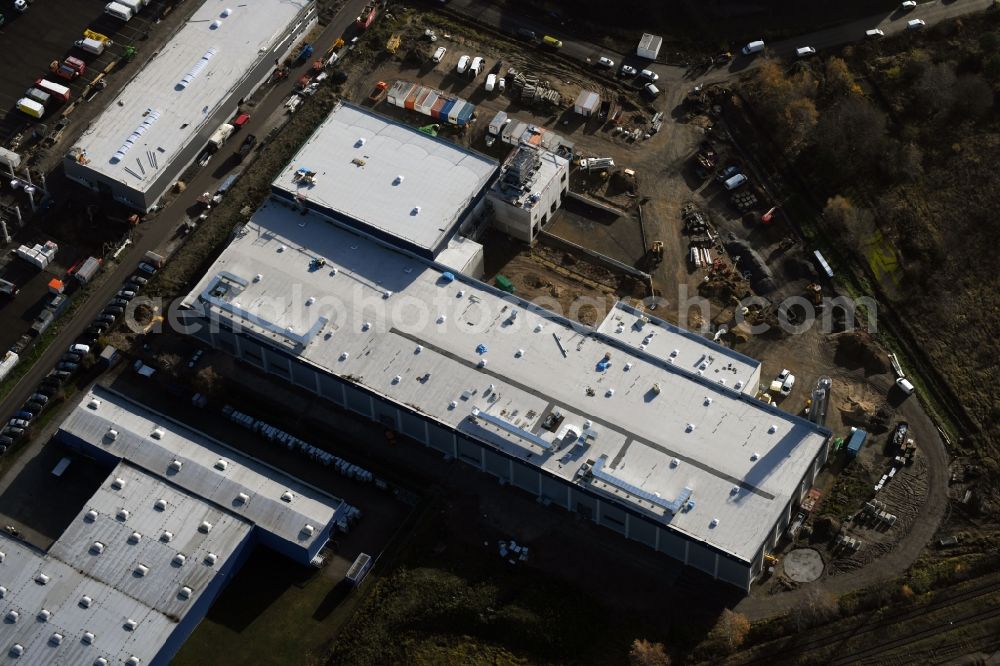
<point>648,430</point>
<point>140,565</point>
<point>394,184</point>
<point>161,121</point>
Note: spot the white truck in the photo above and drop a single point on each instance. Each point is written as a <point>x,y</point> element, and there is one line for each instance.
<point>92,46</point>
<point>597,163</point>
<point>219,136</point>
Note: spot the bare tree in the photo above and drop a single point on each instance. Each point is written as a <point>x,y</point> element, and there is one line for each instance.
<point>208,381</point>
<point>815,608</point>
<point>839,81</point>
<point>934,91</point>
<point>730,631</point>
<point>849,222</point>
<point>850,138</point>
<point>647,653</point>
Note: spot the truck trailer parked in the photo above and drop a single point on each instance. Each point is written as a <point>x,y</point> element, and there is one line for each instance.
<point>30,107</point>
<point>91,46</point>
<point>220,136</point>
<point>54,89</point>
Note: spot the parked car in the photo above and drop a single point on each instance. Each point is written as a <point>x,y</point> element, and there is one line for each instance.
<point>649,75</point>
<point>627,70</point>
<point>127,294</point>
<point>105,318</point>
<point>39,398</point>
<point>68,367</point>
<point>25,414</point>
<point>463,64</point>
<point>81,349</point>
<point>439,54</point>
<point>116,310</point>
<point>787,384</point>
<point>735,181</point>
<point>915,24</point>
<point>476,68</point>
<point>148,269</point>
<point>527,35</point>
<point>18,423</point>
<point>71,357</point>
<point>605,62</point>
<point>97,329</point>
<point>874,33</point>
<point>33,406</point>
<point>13,431</point>
<point>491,82</point>
<point>727,173</point>
<point>135,279</point>
<point>651,91</point>
<point>805,51</point>
<point>905,386</point>
<point>60,375</point>
<point>6,441</point>
<point>120,302</point>
<point>908,5</point>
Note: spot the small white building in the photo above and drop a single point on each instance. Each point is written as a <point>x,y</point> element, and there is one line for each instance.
<point>587,103</point>
<point>529,191</point>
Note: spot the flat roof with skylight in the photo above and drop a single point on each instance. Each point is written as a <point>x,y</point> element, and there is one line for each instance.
<point>694,454</point>
<point>248,488</point>
<point>120,579</point>
<point>167,104</point>
<point>386,178</point>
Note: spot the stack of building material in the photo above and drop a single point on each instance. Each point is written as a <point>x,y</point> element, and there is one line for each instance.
<point>39,255</point>
<point>430,102</point>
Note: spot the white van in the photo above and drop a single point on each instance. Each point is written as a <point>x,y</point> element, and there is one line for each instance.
<point>439,54</point>
<point>135,5</point>
<point>651,91</point>
<point>491,82</point>
<point>735,181</point>
<point>463,64</point>
<point>905,386</point>
<point>118,10</point>
<point>753,47</point>
<point>874,33</point>
<point>476,68</point>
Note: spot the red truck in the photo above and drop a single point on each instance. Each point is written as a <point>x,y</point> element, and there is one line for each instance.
<point>69,69</point>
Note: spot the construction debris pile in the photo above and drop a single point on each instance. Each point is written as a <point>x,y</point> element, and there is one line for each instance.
<point>531,90</point>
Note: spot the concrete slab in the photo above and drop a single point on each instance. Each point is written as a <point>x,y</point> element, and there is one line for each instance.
<point>803,565</point>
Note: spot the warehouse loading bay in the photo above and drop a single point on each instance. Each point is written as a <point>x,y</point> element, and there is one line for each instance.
<point>664,173</point>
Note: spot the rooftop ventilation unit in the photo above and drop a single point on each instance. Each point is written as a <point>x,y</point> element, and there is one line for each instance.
<point>175,465</point>
<point>130,625</point>
<point>772,429</point>
<point>85,601</point>
<point>205,527</point>
<point>87,638</point>
<point>210,559</point>
<point>112,434</point>
<point>122,515</point>
<point>100,661</point>
<point>97,548</point>
<point>90,516</point>
<point>44,615</point>
<point>308,529</point>
<point>118,483</point>
<point>157,434</point>
<point>714,523</point>
<point>242,498</point>
<point>151,116</point>
<point>135,537</point>
<point>185,592</point>
<point>3,556</point>
<point>3,591</point>
<point>94,403</point>
<point>196,70</point>
<point>179,559</point>
<point>287,496</point>
<point>55,638</point>
<point>167,536</point>
<point>132,661</point>
<point>42,579</point>
<point>221,465</point>
<point>16,650</point>
<point>12,616</point>
<point>160,505</point>
<point>141,570</point>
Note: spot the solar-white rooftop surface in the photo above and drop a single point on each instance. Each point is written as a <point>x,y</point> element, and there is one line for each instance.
<point>389,176</point>
<point>399,328</point>
<point>200,471</point>
<point>169,113</point>
<point>75,569</point>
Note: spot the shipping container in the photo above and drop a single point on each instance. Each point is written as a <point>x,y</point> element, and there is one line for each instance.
<point>427,103</point>
<point>449,104</point>
<point>30,107</point>
<point>54,89</point>
<point>438,105</point>
<point>411,99</point>
<point>39,96</point>
<point>398,92</point>
<point>466,114</point>
<point>418,102</point>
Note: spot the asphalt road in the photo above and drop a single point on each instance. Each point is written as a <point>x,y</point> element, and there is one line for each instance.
<point>891,23</point>
<point>154,233</point>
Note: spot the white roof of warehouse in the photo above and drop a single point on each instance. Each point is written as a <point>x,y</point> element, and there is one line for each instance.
<point>379,172</point>
<point>170,113</point>
<point>395,325</point>
<point>199,473</point>
<point>75,568</point>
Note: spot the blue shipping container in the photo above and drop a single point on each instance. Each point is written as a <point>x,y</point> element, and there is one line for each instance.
<point>856,442</point>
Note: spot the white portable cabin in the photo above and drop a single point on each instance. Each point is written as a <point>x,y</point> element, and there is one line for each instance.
<point>118,10</point>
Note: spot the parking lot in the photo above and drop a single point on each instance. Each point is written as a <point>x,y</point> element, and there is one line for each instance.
<point>34,39</point>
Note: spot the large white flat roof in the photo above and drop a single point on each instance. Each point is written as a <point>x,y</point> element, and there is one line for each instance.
<point>107,574</point>
<point>208,469</point>
<point>399,327</point>
<point>379,172</point>
<point>170,113</point>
